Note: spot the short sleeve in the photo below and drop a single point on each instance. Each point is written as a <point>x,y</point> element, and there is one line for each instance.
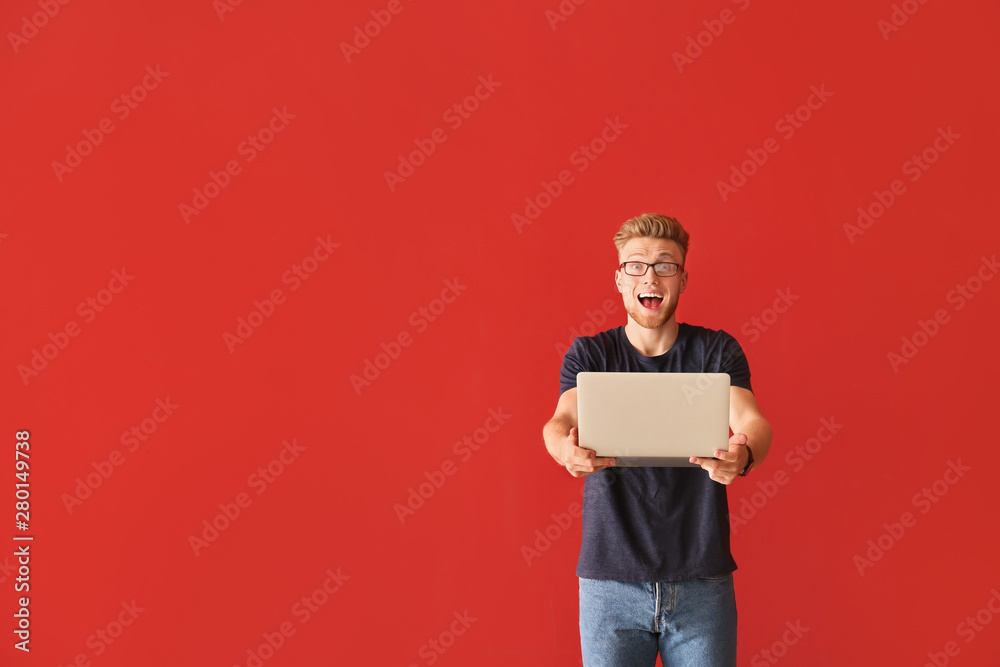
<point>574,361</point>
<point>734,362</point>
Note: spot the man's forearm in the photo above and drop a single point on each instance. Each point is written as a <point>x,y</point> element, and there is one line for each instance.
<point>554,432</point>
<point>758,433</point>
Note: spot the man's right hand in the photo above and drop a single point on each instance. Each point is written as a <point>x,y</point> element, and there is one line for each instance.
<point>579,461</point>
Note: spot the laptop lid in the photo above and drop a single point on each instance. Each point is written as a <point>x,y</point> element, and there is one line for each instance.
<point>653,419</point>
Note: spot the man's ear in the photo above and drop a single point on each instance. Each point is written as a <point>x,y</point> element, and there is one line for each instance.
<point>618,279</point>
<point>684,281</point>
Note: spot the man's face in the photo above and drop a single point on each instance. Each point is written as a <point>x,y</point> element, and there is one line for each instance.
<point>658,307</point>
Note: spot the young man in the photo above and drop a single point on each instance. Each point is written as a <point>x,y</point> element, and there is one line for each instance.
<point>655,567</point>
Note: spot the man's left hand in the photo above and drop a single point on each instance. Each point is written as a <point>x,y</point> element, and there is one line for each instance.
<point>726,466</point>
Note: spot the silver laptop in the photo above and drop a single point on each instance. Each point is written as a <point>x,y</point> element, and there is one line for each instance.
<point>653,419</point>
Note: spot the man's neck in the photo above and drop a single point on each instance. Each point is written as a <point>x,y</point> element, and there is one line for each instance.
<point>652,342</point>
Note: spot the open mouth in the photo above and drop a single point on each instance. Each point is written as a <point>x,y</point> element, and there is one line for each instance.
<point>650,300</point>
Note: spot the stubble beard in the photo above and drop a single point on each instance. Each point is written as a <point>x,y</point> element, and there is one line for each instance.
<point>647,321</point>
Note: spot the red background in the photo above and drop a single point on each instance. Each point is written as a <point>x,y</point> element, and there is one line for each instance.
<point>495,345</point>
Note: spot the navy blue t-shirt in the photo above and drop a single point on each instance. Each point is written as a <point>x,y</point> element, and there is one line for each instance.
<point>655,524</point>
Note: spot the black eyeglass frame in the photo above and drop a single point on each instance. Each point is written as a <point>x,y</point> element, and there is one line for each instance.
<point>678,268</point>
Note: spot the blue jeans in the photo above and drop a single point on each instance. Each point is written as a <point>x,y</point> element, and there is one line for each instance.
<point>690,623</point>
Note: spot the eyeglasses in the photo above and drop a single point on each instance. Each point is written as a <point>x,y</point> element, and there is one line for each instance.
<point>662,269</point>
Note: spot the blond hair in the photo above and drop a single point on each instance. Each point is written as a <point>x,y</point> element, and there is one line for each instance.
<point>655,226</point>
